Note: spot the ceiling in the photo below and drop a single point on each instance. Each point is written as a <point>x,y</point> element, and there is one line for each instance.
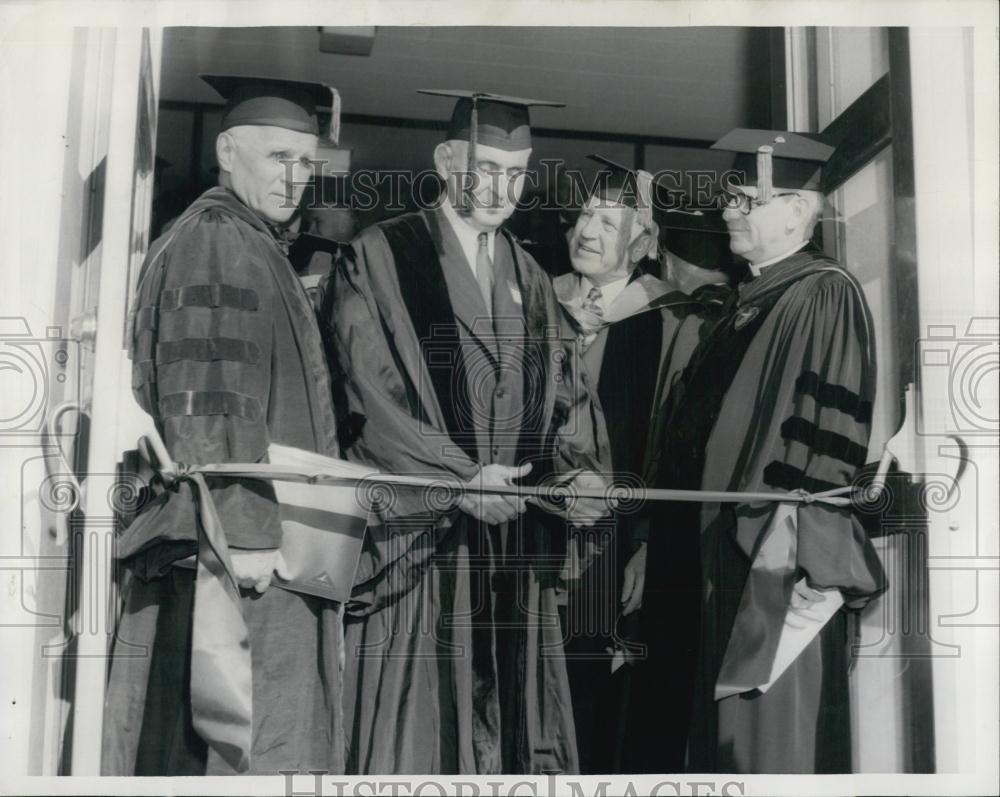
<point>667,82</point>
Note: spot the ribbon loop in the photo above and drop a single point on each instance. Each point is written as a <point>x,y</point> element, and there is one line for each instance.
<point>221,678</point>
<point>804,496</point>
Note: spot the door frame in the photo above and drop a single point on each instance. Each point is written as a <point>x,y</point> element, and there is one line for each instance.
<point>125,231</point>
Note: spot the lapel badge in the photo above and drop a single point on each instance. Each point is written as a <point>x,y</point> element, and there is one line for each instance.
<point>745,316</point>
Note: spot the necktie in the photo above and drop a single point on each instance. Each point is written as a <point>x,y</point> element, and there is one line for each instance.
<point>484,272</point>
<point>591,304</point>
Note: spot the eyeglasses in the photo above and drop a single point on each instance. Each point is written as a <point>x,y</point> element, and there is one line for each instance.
<point>737,200</point>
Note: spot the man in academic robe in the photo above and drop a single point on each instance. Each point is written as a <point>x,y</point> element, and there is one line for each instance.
<point>227,359</point>
<point>446,341</point>
<point>778,398</point>
<point>633,331</point>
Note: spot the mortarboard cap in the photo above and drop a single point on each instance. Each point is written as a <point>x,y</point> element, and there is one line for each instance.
<point>290,104</point>
<point>492,120</point>
<point>779,158</point>
<point>616,179</point>
<point>630,187</point>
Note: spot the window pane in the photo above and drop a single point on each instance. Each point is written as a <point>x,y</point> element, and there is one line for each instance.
<point>861,238</point>
<point>852,59</point>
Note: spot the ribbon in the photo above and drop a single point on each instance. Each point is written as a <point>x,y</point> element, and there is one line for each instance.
<point>553,493</point>
<point>221,677</point>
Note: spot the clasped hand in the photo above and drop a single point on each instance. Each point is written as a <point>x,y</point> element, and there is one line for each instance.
<point>803,599</point>
<point>582,511</point>
<point>494,508</point>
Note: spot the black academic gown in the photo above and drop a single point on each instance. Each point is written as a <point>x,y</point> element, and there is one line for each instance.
<point>453,648</point>
<point>777,397</point>
<point>626,381</point>
<point>630,366</point>
<point>226,359</point>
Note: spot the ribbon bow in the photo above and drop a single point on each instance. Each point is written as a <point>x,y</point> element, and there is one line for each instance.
<point>221,678</point>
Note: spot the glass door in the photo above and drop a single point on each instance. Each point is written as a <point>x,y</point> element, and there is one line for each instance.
<point>852,84</point>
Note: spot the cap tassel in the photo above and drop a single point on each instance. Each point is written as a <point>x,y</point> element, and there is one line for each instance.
<point>473,135</point>
<point>335,117</point>
<point>644,209</point>
<point>470,174</point>
<point>764,174</point>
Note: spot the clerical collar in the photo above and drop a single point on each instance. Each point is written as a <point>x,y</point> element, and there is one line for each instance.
<point>609,292</point>
<point>467,235</point>
<point>755,268</point>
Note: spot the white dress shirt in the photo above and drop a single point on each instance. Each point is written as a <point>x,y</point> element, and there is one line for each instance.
<point>468,236</point>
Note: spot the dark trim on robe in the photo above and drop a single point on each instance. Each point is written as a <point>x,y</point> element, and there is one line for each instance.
<point>425,293</point>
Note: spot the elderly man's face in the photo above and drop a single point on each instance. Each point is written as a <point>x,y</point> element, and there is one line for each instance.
<point>599,245</point>
<point>269,168</point>
<point>767,231</point>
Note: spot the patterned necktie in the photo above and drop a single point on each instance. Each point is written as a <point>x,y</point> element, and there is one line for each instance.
<point>591,304</point>
<point>484,272</point>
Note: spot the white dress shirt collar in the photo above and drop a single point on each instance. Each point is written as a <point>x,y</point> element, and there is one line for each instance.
<point>467,236</point>
<point>755,268</point>
<point>609,292</point>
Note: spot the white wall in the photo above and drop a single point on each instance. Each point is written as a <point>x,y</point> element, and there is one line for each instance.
<point>37,66</point>
<point>72,217</point>
<point>955,144</point>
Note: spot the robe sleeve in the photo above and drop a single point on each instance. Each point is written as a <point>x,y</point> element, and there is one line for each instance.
<point>203,371</point>
<point>824,436</point>
<point>387,424</point>
<point>682,331</point>
<point>392,428</point>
